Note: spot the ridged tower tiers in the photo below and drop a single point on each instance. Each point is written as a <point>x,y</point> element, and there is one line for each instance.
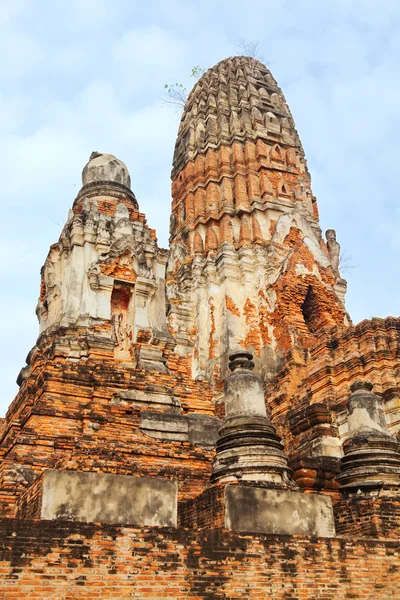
<point>248,269</point>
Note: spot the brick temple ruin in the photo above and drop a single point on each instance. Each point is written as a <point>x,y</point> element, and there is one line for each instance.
<point>204,421</point>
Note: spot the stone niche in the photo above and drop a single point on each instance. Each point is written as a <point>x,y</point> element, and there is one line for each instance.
<point>106,498</point>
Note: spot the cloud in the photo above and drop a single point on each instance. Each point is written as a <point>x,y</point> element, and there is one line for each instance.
<point>143,54</point>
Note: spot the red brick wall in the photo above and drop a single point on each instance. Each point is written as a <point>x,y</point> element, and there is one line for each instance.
<point>63,561</point>
<point>49,424</point>
<point>309,385</point>
<point>373,517</point>
<point>205,511</point>
<point>30,501</point>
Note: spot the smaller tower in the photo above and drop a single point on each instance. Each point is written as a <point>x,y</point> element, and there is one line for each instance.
<point>371,461</point>
<point>248,448</point>
<point>106,275</point>
<point>251,488</point>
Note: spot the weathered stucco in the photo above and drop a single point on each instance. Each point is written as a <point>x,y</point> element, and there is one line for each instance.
<point>105,498</point>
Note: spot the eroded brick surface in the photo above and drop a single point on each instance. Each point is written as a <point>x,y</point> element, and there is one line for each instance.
<point>64,560</point>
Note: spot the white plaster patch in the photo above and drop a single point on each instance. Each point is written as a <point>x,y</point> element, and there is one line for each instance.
<point>316,252</point>
<point>302,269</point>
<point>360,419</point>
<point>316,272</point>
<point>282,228</point>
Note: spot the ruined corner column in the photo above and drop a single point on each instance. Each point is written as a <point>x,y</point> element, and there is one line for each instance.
<point>248,448</point>
<point>371,461</point>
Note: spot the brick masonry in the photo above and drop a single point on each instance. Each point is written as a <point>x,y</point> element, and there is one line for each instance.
<point>64,561</point>
<point>368,517</point>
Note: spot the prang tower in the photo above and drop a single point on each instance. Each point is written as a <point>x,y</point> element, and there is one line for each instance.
<point>248,268</point>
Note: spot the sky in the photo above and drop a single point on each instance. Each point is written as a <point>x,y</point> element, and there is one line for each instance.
<point>88,75</point>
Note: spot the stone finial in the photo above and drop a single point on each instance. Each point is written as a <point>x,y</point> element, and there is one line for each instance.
<point>365,409</point>
<point>244,394</point>
<point>333,249</point>
<point>361,385</point>
<point>241,360</point>
<point>105,168</point>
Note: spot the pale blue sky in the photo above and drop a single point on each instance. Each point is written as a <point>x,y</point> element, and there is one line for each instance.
<point>88,75</point>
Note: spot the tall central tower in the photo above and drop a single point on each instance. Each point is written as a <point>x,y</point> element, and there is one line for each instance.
<point>248,268</point>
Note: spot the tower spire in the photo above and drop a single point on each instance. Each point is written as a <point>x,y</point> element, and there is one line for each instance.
<point>248,262</point>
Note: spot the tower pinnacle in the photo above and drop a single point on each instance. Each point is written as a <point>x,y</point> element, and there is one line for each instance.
<point>248,268</point>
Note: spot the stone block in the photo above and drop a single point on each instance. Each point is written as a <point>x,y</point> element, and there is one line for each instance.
<point>164,426</point>
<point>203,429</point>
<point>106,498</point>
<point>262,510</point>
<point>157,396</point>
<point>195,428</point>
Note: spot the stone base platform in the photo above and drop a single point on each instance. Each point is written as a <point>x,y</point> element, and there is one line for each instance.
<point>101,497</point>
<point>254,508</point>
